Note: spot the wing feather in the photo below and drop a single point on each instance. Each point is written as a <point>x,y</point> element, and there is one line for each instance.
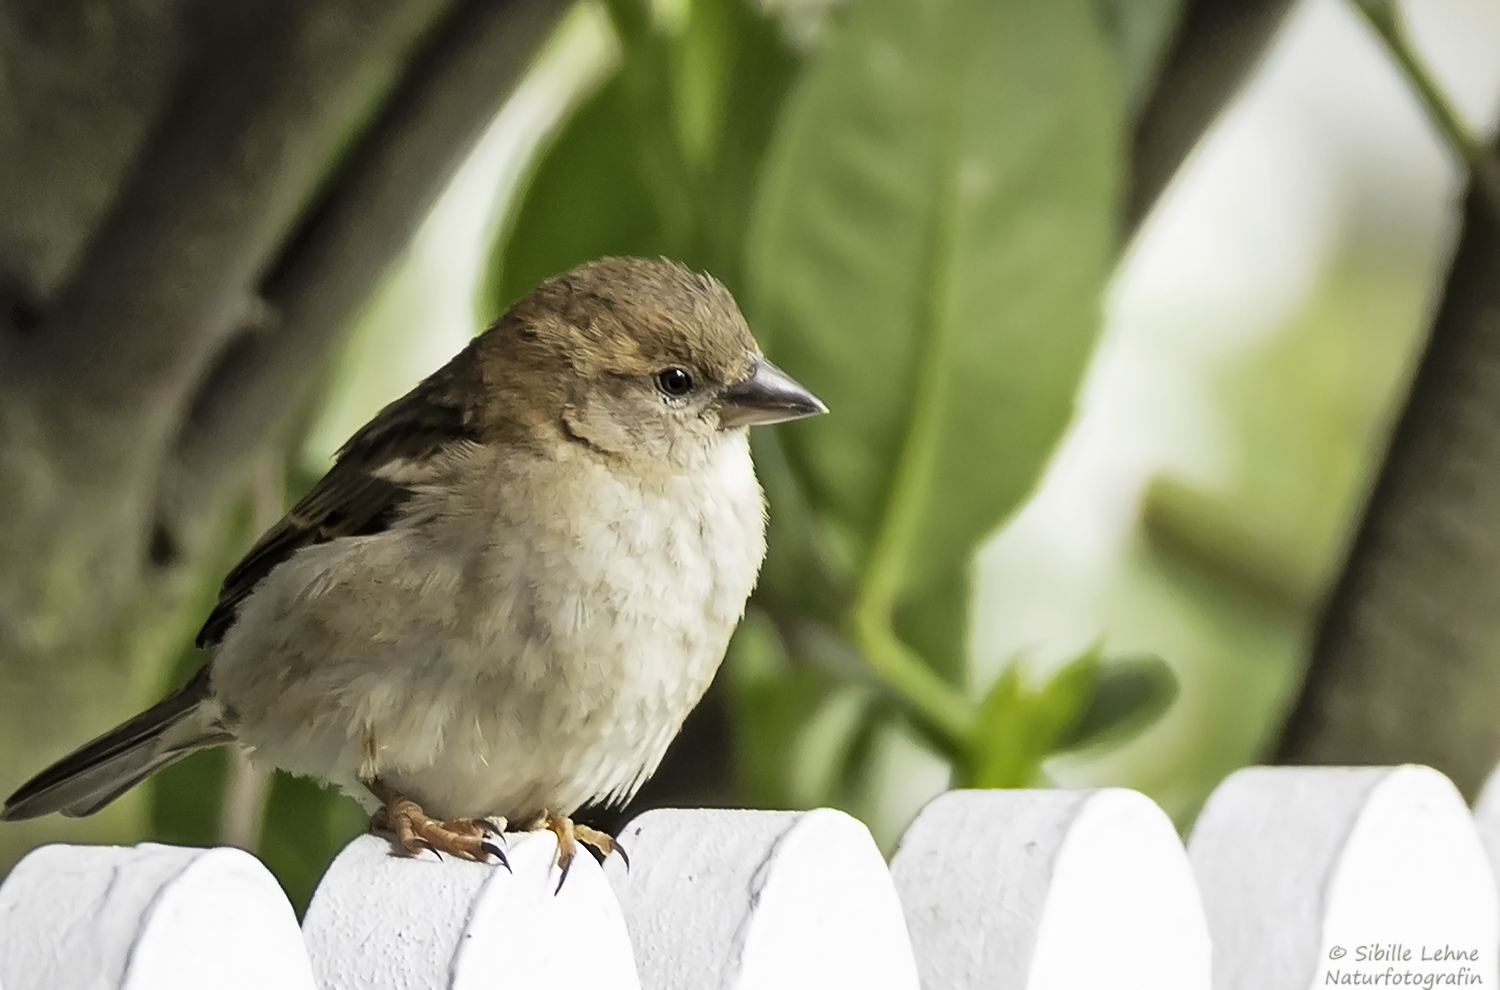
<point>358,497</point>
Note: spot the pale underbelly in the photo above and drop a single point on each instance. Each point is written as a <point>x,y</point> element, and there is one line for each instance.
<point>562,706</point>
<point>498,662</point>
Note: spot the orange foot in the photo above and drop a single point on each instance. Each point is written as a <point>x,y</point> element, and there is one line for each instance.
<point>570,834</point>
<point>466,838</point>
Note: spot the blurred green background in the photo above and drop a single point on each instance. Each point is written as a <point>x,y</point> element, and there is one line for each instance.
<point>1086,480</point>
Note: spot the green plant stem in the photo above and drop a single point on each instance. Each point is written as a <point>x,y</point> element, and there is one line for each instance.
<point>909,677</point>
<point>1384,17</point>
<point>872,623</point>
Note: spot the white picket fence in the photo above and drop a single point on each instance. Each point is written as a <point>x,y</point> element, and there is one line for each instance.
<point>1292,878</point>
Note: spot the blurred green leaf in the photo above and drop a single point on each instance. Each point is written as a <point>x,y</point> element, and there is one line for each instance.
<point>702,71</point>
<point>1124,697</point>
<point>187,798</point>
<point>804,734</point>
<point>663,160</point>
<point>1062,701</point>
<point>1002,753</point>
<point>586,199</point>
<point>772,699</point>
<point>831,740</point>
<point>801,573</point>
<point>939,206</point>
<point>930,244</point>
<point>1141,31</point>
<point>935,621</point>
<point>1018,727</point>
<point>306,825</point>
<point>1088,702</point>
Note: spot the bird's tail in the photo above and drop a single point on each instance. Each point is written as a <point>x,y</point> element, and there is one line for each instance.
<point>98,772</point>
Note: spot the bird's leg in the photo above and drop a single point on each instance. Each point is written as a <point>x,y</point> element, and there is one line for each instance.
<point>601,842</point>
<point>466,838</point>
<point>569,834</point>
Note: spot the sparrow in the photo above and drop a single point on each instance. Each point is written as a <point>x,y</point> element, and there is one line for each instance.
<point>510,589</point>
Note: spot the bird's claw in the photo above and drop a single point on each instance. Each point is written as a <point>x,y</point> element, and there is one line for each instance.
<point>570,834</point>
<point>465,838</point>
<point>495,851</point>
<point>602,843</point>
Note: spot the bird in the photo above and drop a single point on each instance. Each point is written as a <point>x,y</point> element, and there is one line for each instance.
<point>510,589</point>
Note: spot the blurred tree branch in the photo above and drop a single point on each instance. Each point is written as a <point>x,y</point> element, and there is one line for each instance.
<point>1216,44</point>
<point>1405,665</point>
<point>454,88</point>
<point>211,167</point>
<point>1483,164</point>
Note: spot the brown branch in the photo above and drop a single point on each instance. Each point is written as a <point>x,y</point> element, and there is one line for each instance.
<point>1216,45</point>
<point>1406,662</point>
<point>262,383</point>
<point>93,392</point>
<point>170,270</point>
<point>84,83</point>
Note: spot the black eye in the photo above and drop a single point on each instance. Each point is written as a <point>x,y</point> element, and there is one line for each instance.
<point>675,382</point>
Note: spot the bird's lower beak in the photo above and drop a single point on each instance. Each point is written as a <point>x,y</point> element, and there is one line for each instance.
<point>769,395</point>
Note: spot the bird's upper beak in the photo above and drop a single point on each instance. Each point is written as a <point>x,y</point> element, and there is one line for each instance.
<point>769,395</point>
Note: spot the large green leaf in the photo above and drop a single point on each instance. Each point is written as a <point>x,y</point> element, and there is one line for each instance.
<point>586,198</point>
<point>663,160</point>
<point>931,241</point>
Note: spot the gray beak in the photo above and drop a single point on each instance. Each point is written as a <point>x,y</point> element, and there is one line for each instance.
<point>769,395</point>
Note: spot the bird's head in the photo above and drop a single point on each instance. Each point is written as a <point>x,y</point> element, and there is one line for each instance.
<point>638,358</point>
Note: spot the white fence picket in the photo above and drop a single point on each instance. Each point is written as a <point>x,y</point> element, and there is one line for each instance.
<point>1487,820</point>
<point>746,900</point>
<point>1309,877</point>
<point>381,921</point>
<point>148,917</point>
<point>1338,876</point>
<point>1050,889</point>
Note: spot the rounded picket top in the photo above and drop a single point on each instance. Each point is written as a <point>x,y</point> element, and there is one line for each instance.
<point>1487,819</point>
<point>1341,876</point>
<point>147,916</point>
<point>745,900</point>
<point>1050,889</point>
<point>379,919</point>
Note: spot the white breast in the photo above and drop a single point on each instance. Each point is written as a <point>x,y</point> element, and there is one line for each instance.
<point>532,640</point>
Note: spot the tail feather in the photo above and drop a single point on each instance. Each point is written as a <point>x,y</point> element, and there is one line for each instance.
<point>99,771</point>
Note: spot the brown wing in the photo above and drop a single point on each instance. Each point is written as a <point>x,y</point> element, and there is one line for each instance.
<point>352,499</point>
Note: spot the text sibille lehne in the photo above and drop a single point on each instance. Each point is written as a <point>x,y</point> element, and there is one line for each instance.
<point>1399,952</point>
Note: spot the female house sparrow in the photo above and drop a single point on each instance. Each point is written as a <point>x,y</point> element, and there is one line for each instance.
<point>512,586</point>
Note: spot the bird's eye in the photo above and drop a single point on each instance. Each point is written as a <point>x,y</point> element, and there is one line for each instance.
<point>674,382</point>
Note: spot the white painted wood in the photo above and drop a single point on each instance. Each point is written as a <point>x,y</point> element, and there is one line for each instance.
<point>760,900</point>
<point>1050,889</point>
<point>1487,820</point>
<point>148,917</point>
<point>379,920</point>
<point>1323,876</point>
<point>1310,877</point>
